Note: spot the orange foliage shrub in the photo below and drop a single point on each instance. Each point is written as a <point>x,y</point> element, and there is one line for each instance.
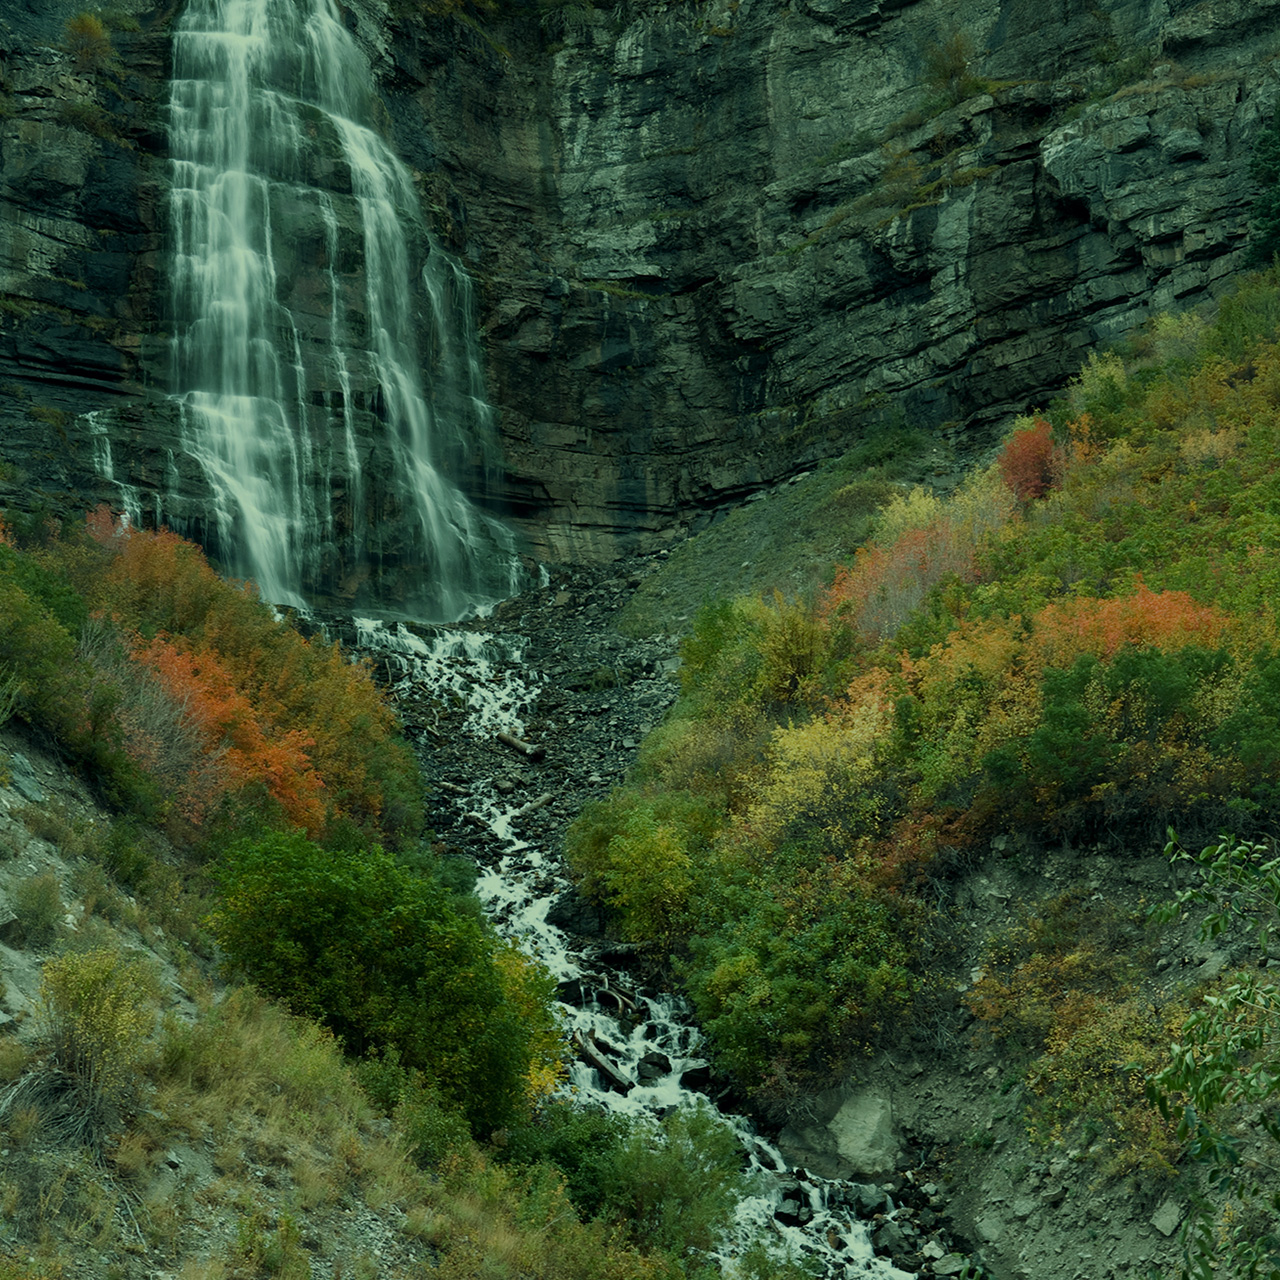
<point>272,707</point>
<point>885,585</point>
<point>6,535</point>
<point>1160,619</point>
<point>241,745</point>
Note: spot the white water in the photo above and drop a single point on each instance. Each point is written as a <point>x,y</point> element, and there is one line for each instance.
<point>492,688</point>
<point>298,240</point>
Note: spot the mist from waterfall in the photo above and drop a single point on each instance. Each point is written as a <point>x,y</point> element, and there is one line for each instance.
<point>303,278</point>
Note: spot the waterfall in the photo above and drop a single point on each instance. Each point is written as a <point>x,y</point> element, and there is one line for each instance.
<point>303,278</point>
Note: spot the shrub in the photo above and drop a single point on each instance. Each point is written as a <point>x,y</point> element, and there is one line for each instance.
<point>635,853</point>
<point>581,1142</point>
<point>799,975</point>
<point>37,902</point>
<point>1029,462</point>
<point>674,1190</point>
<point>383,958</point>
<point>921,543</point>
<point>1225,1060</point>
<point>946,67</point>
<point>260,707</point>
<point>747,652</point>
<point>98,1011</point>
<point>821,783</point>
<point>88,41</point>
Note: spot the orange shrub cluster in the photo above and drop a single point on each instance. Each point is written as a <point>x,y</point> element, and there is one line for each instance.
<point>1028,463</point>
<point>1089,710</point>
<point>237,741</point>
<point>264,705</point>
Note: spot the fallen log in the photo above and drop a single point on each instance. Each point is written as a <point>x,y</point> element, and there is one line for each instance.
<point>613,1078</point>
<point>529,750</point>
<point>534,805</point>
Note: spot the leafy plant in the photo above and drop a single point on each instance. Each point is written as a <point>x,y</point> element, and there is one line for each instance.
<point>37,902</point>
<point>385,959</point>
<point>1227,1062</point>
<point>98,1012</point>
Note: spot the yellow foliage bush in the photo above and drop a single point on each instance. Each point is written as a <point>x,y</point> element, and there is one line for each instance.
<point>820,779</point>
<point>98,1011</point>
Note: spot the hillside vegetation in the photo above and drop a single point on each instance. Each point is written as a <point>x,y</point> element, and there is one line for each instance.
<point>378,1100</point>
<point>1077,647</point>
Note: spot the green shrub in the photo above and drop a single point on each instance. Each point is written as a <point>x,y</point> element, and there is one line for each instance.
<point>635,853</point>
<point>673,1191</point>
<point>37,902</point>
<point>581,1142</point>
<point>87,40</point>
<point>383,958</point>
<point>98,1012</point>
<point>797,977</point>
<point>435,1130</point>
<point>1225,1066</point>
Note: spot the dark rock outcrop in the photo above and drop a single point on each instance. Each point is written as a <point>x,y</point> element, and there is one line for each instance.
<point>720,241</point>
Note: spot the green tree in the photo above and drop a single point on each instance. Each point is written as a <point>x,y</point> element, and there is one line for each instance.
<point>382,956</point>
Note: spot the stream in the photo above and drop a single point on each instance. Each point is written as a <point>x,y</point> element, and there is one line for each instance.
<point>548,670</point>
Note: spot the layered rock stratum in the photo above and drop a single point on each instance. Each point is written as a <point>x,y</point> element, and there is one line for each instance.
<point>714,242</point>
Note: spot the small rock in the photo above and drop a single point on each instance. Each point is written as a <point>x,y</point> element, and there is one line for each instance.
<point>932,1249</point>
<point>951,1265</point>
<point>1167,1217</point>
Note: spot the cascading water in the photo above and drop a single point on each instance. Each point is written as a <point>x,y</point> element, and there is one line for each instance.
<point>302,274</point>
<point>638,1052</point>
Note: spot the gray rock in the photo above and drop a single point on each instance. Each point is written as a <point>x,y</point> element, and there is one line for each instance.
<point>890,1239</point>
<point>864,1133</point>
<point>699,270</point>
<point>1167,1217</point>
<point>23,778</point>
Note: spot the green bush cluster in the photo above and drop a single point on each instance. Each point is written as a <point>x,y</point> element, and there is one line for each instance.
<point>51,686</point>
<point>1094,660</point>
<point>669,1188</point>
<point>386,960</point>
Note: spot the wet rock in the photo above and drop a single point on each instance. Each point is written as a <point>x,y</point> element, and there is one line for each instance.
<point>891,1239</point>
<point>697,1078</point>
<point>653,1066</point>
<point>866,1199</point>
<point>794,1209</point>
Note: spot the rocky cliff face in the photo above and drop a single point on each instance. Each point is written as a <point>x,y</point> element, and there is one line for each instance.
<point>721,240</point>
<point>81,246</point>
<point>714,241</point>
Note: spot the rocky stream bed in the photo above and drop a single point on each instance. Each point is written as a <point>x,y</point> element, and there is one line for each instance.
<point>520,718</point>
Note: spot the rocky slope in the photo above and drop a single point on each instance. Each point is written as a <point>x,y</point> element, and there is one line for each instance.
<point>714,241</point>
